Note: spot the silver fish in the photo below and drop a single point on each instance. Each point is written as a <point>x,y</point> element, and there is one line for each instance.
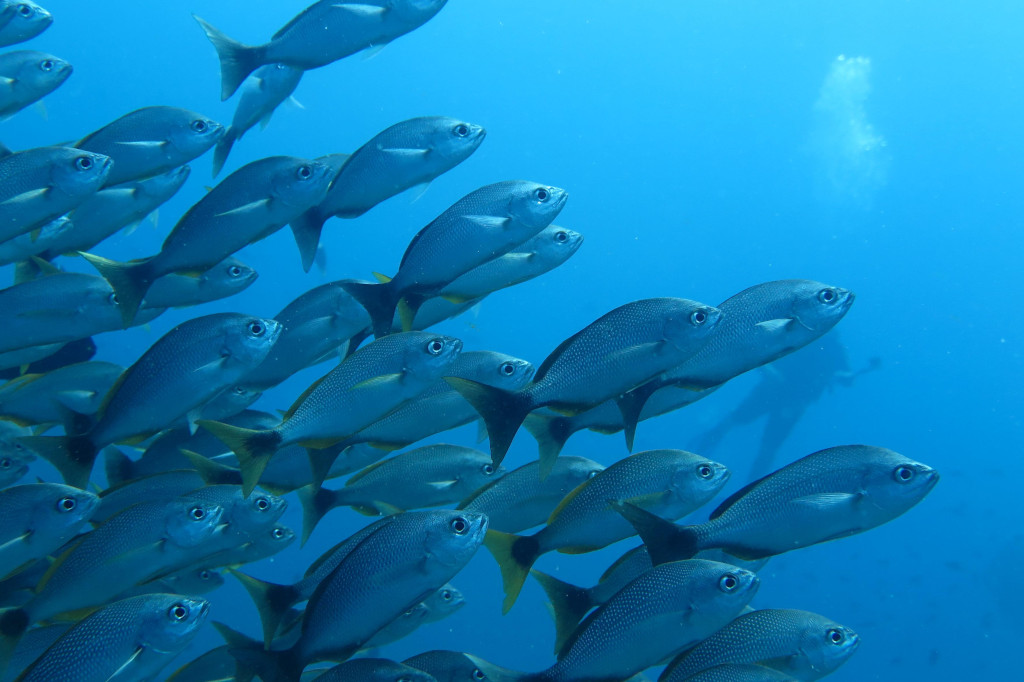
<point>27,76</point>
<point>38,519</point>
<point>24,21</point>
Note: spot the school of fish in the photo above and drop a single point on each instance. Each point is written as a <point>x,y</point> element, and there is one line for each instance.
<point>107,573</point>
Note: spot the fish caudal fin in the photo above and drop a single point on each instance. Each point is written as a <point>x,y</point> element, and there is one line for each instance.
<point>253,449</point>
<point>306,229</point>
<point>130,282</point>
<point>515,555</point>
<point>118,466</point>
<point>665,540</point>
<point>320,462</point>
<point>237,61</point>
<point>272,601</point>
<point>569,604</point>
<point>631,404</point>
<point>14,624</point>
<point>223,148</point>
<point>212,473</point>
<point>72,456</point>
<point>379,301</point>
<point>316,502</point>
<point>551,432</point>
<point>503,412</point>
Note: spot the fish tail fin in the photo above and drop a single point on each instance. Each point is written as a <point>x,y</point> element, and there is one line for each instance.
<point>515,555</point>
<point>569,604</point>
<point>212,473</point>
<point>14,623</point>
<point>237,61</point>
<point>316,502</point>
<point>408,306</point>
<point>253,449</point>
<point>271,666</point>
<point>306,229</point>
<point>503,412</point>
<point>551,432</point>
<point>631,404</point>
<point>665,540</point>
<point>320,462</point>
<point>271,599</point>
<point>118,466</point>
<point>72,456</point>
<point>223,148</point>
<point>130,281</point>
<point>379,301</point>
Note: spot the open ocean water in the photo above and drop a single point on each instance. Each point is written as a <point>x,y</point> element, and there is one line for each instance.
<point>706,147</point>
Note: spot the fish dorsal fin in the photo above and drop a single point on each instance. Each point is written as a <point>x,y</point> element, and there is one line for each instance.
<point>55,565</point>
<point>110,395</point>
<point>305,394</point>
<point>365,471</point>
<point>567,499</point>
<point>552,358</point>
<point>734,498</point>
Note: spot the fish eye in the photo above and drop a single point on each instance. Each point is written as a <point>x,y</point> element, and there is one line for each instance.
<point>204,575</point>
<point>435,346</point>
<point>66,504</point>
<point>5,463</point>
<point>478,674</point>
<point>728,582</point>
<point>835,636</point>
<point>24,10</point>
<point>239,390</point>
<point>19,446</point>
<point>705,471</point>
<point>113,299</point>
<point>178,612</point>
<point>199,126</point>
<point>488,469</point>
<point>197,513</point>
<point>277,533</point>
<point>508,369</point>
<point>403,679</point>
<point>462,130</point>
<point>263,504</point>
<point>234,271</point>
<point>46,65</point>
<point>541,194</point>
<point>698,317</point>
<point>256,328</point>
<point>460,525</point>
<point>304,173</point>
<point>561,236</point>
<point>591,474</point>
<point>446,595</point>
<point>83,163</point>
<point>827,296</point>
<point>903,474</point>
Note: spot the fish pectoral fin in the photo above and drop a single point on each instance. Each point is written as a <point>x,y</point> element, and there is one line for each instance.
<point>364,11</point>
<point>78,401</point>
<point>192,417</point>
<point>124,666</point>
<point>251,207</point>
<point>774,326</point>
<point>823,501</point>
<point>441,485</point>
<point>489,222</point>
<point>417,191</point>
<point>15,540</point>
<point>135,552</point>
<point>144,144</point>
<point>457,299</point>
<point>405,152</point>
<point>378,381</point>
<point>25,197</point>
<point>647,500</point>
<point>214,365</point>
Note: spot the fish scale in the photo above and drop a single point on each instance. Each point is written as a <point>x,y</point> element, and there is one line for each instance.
<point>791,641</point>
<point>665,610</point>
<point>131,639</point>
<point>521,499</point>
<point>739,672</point>
<point>140,543</point>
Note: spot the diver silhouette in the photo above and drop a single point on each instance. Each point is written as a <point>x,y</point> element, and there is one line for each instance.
<point>787,388</point>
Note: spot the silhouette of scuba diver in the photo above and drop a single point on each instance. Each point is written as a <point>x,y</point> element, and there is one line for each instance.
<point>787,388</point>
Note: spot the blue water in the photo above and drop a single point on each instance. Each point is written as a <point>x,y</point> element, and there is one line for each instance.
<point>706,147</point>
